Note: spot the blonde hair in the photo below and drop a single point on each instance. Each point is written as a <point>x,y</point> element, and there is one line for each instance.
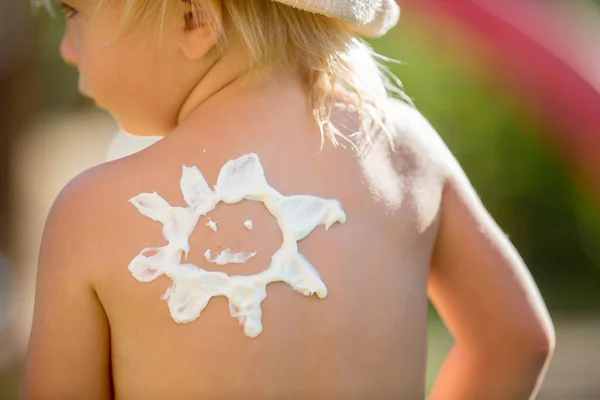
<point>338,67</point>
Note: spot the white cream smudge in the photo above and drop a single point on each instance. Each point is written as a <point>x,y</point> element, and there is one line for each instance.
<point>248,224</point>
<point>193,287</point>
<point>212,225</point>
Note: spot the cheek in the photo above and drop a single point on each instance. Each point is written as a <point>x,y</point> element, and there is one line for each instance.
<point>134,84</point>
<point>112,70</point>
<point>133,78</point>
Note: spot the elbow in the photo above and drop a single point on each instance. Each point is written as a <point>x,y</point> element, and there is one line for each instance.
<point>529,349</point>
<point>537,347</point>
<point>536,338</point>
<point>544,347</point>
<point>545,339</point>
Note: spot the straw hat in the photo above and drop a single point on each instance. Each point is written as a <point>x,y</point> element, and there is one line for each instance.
<point>370,18</point>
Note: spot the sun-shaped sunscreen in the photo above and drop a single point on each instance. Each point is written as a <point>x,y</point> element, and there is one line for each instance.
<point>193,287</point>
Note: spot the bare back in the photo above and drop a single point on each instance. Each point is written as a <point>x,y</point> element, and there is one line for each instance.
<point>367,338</point>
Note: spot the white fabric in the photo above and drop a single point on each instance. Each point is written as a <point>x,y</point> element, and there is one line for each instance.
<point>370,18</point>
<point>125,144</point>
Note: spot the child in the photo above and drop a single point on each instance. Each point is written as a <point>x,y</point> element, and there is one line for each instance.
<point>146,259</point>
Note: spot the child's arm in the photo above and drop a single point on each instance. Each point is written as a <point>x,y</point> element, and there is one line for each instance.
<point>69,351</point>
<point>479,284</point>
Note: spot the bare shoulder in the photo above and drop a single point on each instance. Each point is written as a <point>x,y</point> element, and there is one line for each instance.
<point>413,134</point>
<point>406,165</point>
<point>78,207</point>
<point>82,200</point>
<point>85,215</point>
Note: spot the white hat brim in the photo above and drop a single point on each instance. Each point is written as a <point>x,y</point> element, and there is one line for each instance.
<point>371,18</point>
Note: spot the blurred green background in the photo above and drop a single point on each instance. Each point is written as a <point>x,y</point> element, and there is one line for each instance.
<point>502,143</point>
<point>501,140</point>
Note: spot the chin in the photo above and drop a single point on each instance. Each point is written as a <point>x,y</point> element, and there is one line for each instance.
<point>89,97</point>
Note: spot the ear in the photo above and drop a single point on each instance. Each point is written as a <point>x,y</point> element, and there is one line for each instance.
<point>201,24</point>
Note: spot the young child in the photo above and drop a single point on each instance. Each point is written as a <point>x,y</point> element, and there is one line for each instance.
<point>198,267</point>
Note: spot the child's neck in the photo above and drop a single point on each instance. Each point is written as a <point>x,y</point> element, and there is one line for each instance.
<point>225,89</point>
<point>219,75</point>
<point>232,104</point>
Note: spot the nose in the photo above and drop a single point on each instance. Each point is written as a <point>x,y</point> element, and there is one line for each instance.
<point>68,50</point>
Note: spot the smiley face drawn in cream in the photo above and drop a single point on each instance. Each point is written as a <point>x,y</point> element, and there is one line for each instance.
<point>193,287</point>
<point>229,257</point>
